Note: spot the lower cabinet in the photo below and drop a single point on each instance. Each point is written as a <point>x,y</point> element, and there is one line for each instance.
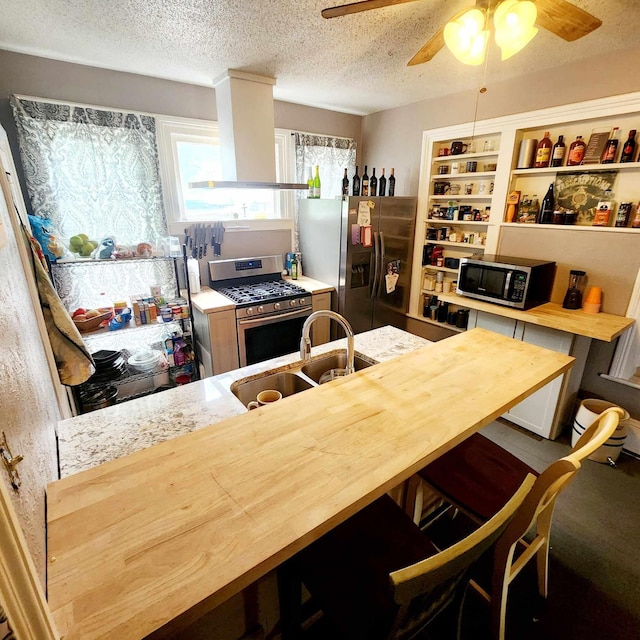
<point>549,409</point>
<point>321,329</point>
<point>217,341</point>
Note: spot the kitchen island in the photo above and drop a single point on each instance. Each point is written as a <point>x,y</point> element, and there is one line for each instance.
<point>100,436</point>
<point>163,535</point>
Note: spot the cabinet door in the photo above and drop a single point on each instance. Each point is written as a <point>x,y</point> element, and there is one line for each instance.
<point>541,411</point>
<point>492,322</point>
<point>224,341</point>
<point>320,330</point>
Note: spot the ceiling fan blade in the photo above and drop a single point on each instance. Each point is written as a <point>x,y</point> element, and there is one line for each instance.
<point>565,19</point>
<point>429,49</point>
<point>357,7</point>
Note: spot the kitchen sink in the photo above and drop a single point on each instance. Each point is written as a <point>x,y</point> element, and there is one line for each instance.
<point>298,378</point>
<point>315,368</point>
<point>286,382</point>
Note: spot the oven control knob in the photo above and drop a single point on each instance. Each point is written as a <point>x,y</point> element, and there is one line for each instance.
<point>302,301</point>
<point>260,309</point>
<point>293,303</point>
<point>276,306</point>
<point>250,311</point>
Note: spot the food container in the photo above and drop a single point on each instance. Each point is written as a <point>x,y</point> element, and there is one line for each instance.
<point>92,324</point>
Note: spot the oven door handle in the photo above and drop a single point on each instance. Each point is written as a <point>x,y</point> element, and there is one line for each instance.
<point>248,323</point>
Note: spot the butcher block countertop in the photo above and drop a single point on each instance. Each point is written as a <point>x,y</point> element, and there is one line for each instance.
<point>601,326</point>
<point>172,531</point>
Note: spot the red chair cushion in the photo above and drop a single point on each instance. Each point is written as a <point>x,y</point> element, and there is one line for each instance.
<point>347,570</point>
<point>477,475</point>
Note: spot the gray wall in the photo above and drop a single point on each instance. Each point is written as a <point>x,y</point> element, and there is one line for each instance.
<point>43,78</point>
<point>394,138</point>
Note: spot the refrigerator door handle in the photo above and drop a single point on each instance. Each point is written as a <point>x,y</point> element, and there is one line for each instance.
<point>381,286</point>
<point>375,255</point>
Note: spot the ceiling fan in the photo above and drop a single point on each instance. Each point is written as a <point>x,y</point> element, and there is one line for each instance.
<point>558,16</point>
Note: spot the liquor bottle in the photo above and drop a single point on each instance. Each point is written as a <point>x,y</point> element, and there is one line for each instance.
<point>543,152</point>
<point>382,185</point>
<point>392,183</point>
<point>557,155</point>
<point>629,149</point>
<point>373,183</point>
<point>316,183</point>
<point>603,210</point>
<point>611,150</point>
<point>294,267</point>
<point>548,205</point>
<point>576,152</point>
<point>310,184</point>
<point>365,182</point>
<point>355,191</point>
<point>624,214</point>
<point>345,185</point>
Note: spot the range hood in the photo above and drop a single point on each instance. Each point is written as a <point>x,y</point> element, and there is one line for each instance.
<point>247,141</point>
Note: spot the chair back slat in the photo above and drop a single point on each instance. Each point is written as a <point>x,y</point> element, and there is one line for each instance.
<point>437,578</point>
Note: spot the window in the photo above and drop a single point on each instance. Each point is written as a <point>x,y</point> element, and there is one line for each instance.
<point>190,152</point>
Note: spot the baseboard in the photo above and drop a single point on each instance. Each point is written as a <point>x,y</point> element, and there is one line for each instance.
<point>632,443</point>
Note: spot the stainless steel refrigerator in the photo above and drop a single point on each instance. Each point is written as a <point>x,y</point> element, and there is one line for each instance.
<point>331,242</point>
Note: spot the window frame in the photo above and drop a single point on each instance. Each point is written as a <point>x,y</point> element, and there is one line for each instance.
<point>171,130</point>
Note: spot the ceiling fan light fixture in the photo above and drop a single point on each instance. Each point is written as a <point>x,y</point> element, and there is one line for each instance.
<point>466,36</point>
<point>514,23</point>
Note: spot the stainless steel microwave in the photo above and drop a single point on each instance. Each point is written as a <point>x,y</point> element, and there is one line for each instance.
<point>520,283</point>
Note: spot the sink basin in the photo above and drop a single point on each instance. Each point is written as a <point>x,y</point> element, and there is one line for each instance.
<point>285,382</point>
<point>316,368</point>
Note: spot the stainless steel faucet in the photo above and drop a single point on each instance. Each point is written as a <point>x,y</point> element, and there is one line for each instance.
<point>305,341</point>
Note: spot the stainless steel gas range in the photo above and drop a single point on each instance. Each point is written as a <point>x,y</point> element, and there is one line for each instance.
<point>269,311</point>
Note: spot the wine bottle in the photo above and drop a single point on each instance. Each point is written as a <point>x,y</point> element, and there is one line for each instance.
<point>294,267</point>
<point>310,184</point>
<point>373,183</point>
<point>576,152</point>
<point>543,152</point>
<point>365,182</point>
<point>611,150</point>
<point>382,185</point>
<point>392,183</point>
<point>355,191</point>
<point>557,155</point>
<point>629,149</point>
<point>316,183</point>
<point>548,205</point>
<point>345,185</point>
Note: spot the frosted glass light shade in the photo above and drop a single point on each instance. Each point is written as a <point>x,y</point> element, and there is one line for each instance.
<point>514,22</point>
<point>466,36</point>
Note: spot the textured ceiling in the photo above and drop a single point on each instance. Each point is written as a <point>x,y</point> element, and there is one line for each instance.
<point>355,63</point>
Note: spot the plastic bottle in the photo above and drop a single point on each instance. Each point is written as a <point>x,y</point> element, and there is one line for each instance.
<point>193,272</point>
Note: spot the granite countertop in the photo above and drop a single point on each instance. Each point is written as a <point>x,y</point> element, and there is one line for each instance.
<point>106,434</point>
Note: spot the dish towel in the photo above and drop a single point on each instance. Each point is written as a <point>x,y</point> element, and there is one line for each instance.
<point>74,362</point>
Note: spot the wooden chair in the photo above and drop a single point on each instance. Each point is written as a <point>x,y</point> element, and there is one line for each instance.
<point>477,476</point>
<point>377,576</point>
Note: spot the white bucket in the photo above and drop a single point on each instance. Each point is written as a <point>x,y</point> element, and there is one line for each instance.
<point>588,412</point>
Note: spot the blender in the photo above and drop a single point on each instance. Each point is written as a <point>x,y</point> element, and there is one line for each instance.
<point>573,297</point>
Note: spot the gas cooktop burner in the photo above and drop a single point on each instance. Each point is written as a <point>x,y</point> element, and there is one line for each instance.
<point>262,292</point>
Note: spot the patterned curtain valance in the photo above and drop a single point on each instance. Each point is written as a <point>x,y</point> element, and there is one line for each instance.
<point>85,115</point>
<point>312,140</point>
